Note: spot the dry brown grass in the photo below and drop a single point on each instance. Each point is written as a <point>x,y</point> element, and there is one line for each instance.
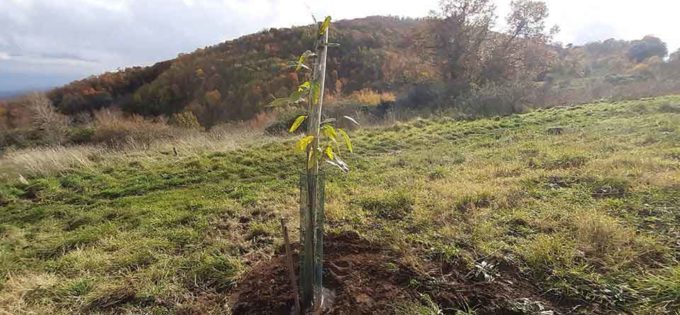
<point>15,298</point>
<point>370,97</point>
<point>41,161</point>
<point>113,129</point>
<point>599,234</point>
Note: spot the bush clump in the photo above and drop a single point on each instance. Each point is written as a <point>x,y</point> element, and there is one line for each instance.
<point>115,130</point>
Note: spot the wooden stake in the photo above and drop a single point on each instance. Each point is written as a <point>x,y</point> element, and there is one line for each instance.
<point>291,268</point>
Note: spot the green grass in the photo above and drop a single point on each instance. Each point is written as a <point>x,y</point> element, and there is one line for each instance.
<point>590,214</point>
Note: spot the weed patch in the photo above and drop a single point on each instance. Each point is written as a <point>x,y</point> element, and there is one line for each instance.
<point>391,206</point>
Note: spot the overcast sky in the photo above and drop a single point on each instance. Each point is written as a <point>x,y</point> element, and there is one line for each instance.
<point>45,43</point>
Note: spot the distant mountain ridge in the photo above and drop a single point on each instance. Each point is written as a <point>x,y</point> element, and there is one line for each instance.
<point>5,95</point>
<point>11,94</point>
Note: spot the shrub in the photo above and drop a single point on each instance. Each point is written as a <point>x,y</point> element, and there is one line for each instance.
<point>81,135</point>
<point>52,125</point>
<point>115,130</point>
<point>370,97</point>
<point>422,95</point>
<point>185,119</point>
<point>20,138</point>
<point>495,99</point>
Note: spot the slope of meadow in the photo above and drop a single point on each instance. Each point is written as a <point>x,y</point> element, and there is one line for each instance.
<point>579,206</point>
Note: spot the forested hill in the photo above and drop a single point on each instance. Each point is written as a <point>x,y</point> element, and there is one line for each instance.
<point>235,79</point>
<point>495,72</point>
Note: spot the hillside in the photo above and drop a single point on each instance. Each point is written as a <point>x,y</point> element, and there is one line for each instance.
<point>565,209</point>
<point>236,79</point>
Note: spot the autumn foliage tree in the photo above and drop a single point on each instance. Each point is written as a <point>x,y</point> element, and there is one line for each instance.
<point>647,47</point>
<point>458,32</point>
<point>472,54</point>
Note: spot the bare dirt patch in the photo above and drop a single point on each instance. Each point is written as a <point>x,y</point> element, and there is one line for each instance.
<point>367,279</point>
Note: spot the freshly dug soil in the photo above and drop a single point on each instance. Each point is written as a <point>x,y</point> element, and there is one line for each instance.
<point>367,279</point>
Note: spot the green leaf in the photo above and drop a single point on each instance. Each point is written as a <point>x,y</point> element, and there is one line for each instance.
<point>324,26</point>
<point>279,102</point>
<point>345,136</point>
<point>303,143</point>
<point>301,60</point>
<point>296,96</point>
<point>316,92</point>
<point>329,132</point>
<point>329,152</point>
<point>296,124</point>
<point>351,119</point>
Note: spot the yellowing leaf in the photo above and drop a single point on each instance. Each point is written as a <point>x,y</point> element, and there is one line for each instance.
<point>324,26</point>
<point>345,136</point>
<point>296,124</point>
<point>303,143</point>
<point>329,132</point>
<point>329,152</point>
<point>301,60</point>
<point>304,86</point>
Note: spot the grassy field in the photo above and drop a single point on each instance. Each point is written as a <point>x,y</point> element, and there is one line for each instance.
<point>589,212</point>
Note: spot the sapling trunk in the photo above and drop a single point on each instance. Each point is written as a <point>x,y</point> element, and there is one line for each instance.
<point>312,180</point>
<point>314,234</point>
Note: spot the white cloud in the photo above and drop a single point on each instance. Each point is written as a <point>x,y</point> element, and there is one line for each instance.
<point>582,20</point>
